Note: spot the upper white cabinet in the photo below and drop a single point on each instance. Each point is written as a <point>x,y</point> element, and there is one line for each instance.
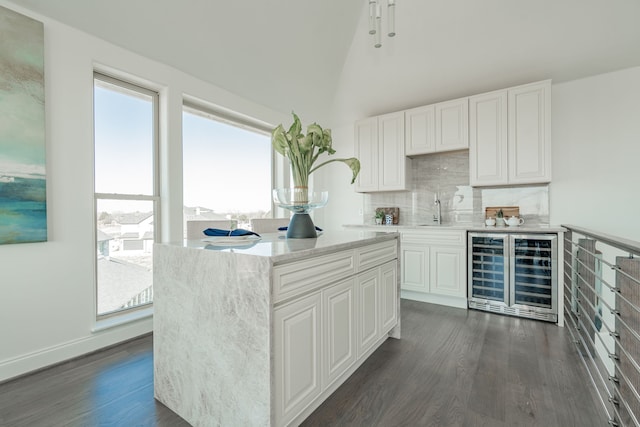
<point>379,145</point>
<point>488,138</point>
<point>452,125</point>
<point>510,136</point>
<point>420,130</point>
<point>366,150</point>
<point>530,133</point>
<point>437,128</point>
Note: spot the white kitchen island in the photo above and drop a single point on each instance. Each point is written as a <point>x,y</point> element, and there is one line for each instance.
<point>261,335</point>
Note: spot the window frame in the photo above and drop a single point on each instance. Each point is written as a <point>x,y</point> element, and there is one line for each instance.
<point>127,87</point>
<point>238,120</point>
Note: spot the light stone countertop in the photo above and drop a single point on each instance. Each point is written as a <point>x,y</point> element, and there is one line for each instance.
<point>280,249</point>
<point>537,228</point>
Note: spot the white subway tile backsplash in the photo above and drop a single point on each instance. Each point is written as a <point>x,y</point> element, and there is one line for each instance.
<point>447,174</point>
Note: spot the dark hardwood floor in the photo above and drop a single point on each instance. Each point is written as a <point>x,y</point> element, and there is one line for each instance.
<point>113,387</point>
<point>452,367</point>
<point>456,367</point>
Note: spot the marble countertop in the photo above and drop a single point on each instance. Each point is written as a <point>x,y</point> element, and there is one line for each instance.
<point>280,249</point>
<point>537,228</point>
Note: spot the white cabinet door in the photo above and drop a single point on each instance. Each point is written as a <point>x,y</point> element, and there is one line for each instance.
<point>339,345</point>
<point>433,266</point>
<point>452,125</point>
<point>391,157</point>
<point>448,271</point>
<point>488,139</point>
<point>379,145</point>
<point>420,130</point>
<point>510,136</point>
<point>388,296</point>
<point>530,133</point>
<point>368,302</point>
<point>414,267</point>
<point>297,368</point>
<point>366,149</point>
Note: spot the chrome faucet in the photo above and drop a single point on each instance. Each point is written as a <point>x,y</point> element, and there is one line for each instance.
<point>438,216</point>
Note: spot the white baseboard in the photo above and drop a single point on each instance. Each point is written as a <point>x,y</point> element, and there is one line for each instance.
<point>39,359</point>
<point>434,299</point>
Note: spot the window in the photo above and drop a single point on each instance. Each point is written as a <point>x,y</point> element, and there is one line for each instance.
<point>227,168</point>
<point>126,193</point>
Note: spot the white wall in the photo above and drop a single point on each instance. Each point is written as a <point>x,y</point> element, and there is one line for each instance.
<point>345,205</point>
<point>596,153</point>
<point>47,289</point>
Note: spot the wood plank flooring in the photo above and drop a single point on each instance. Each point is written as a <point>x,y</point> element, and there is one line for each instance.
<point>456,367</point>
<point>113,387</point>
<point>452,367</point>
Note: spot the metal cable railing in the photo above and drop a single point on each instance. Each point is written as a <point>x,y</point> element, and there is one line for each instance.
<point>602,314</point>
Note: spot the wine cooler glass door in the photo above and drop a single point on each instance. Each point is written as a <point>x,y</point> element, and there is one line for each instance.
<point>488,267</point>
<point>533,271</point>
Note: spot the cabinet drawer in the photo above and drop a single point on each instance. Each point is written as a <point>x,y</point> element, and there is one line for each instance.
<point>430,237</point>
<point>298,277</point>
<point>375,255</point>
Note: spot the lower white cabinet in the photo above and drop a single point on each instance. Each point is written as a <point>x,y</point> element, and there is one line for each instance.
<point>321,336</point>
<point>414,259</point>
<point>448,271</point>
<point>388,297</point>
<point>368,296</point>
<point>378,302</point>
<point>297,336</point>
<point>339,303</point>
<point>433,266</point>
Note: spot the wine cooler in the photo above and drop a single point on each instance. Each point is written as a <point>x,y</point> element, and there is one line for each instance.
<point>514,274</point>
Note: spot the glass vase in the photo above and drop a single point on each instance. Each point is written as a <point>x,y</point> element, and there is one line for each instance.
<point>300,201</point>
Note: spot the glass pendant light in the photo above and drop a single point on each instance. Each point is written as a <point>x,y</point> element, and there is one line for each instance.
<point>375,20</point>
<point>378,33</point>
<point>372,16</point>
<point>391,17</point>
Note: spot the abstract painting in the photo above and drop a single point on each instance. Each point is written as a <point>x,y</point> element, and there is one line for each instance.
<point>23,203</point>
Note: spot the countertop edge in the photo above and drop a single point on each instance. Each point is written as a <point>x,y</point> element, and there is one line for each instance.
<point>357,240</point>
<point>308,253</point>
<point>462,227</point>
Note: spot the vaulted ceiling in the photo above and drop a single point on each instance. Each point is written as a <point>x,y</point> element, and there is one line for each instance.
<point>269,51</point>
<point>316,56</point>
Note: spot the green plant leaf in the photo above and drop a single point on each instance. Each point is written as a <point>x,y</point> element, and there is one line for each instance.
<point>279,140</point>
<point>352,162</point>
<point>301,149</point>
<point>296,127</point>
<point>306,144</point>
